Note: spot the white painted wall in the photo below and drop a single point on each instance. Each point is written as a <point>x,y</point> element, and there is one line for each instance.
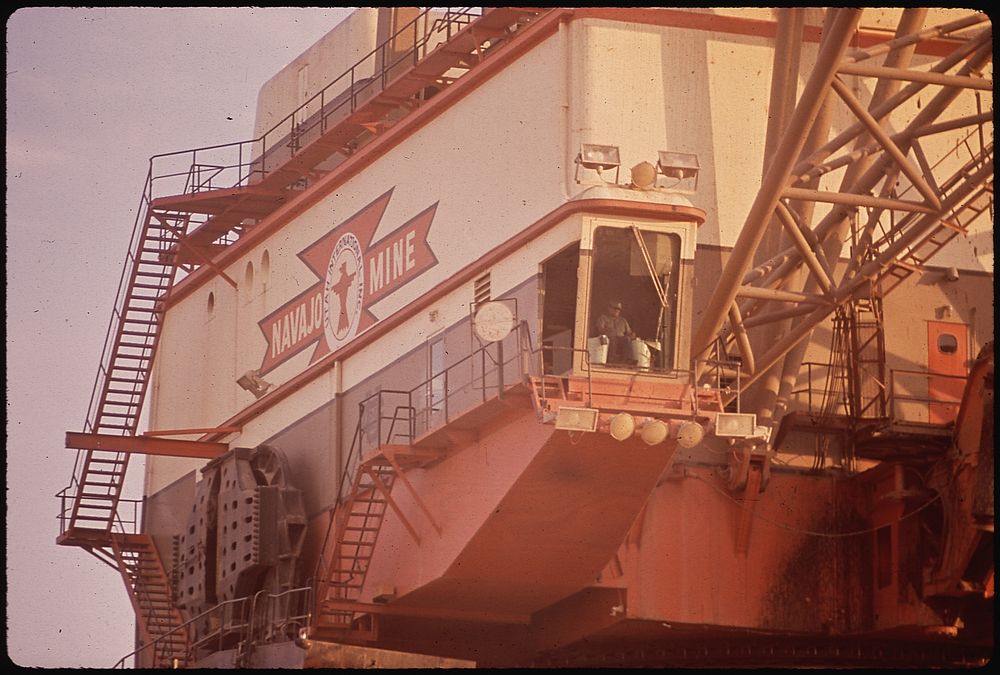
<point>495,162</point>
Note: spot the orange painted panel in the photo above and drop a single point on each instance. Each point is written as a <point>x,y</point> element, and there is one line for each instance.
<point>947,354</point>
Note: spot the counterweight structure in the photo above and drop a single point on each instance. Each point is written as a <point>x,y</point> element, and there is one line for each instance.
<point>391,424</point>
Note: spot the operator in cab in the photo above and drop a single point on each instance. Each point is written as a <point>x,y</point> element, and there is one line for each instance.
<point>619,333</point>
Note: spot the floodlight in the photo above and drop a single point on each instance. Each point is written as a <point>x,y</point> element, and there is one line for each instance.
<point>643,175</point>
<point>598,158</point>
<point>735,425</point>
<point>689,434</point>
<point>576,419</point>
<point>622,426</point>
<point>654,432</point>
<point>252,382</point>
<point>679,165</point>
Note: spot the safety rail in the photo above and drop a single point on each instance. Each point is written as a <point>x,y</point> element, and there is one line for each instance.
<point>238,164</point>
<point>282,615</point>
<point>910,398</point>
<point>542,349</point>
<point>432,403</point>
<point>237,616</point>
<point>969,209</point>
<point>815,397</point>
<point>907,393</point>
<point>375,428</point>
<point>160,251</point>
<point>129,524</point>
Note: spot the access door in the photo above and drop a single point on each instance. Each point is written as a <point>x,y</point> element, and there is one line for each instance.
<point>947,359</point>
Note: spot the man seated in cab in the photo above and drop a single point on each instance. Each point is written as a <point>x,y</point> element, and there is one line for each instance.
<point>619,332</point>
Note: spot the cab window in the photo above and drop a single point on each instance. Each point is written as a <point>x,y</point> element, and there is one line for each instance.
<point>639,270</point>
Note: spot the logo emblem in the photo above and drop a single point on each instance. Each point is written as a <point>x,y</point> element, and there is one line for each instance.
<point>354,272</point>
<point>343,292</point>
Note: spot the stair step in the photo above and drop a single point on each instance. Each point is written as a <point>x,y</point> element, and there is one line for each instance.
<point>132,369</point>
<point>135,345</point>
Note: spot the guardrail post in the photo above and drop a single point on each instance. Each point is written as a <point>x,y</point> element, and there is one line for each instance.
<point>500,365</point>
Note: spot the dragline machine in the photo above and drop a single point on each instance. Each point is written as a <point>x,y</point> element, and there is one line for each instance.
<point>429,382</point>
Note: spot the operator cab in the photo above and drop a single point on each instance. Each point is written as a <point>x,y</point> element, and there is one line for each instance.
<point>646,266</point>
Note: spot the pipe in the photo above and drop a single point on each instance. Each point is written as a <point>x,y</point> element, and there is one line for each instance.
<point>742,340</point>
<point>979,83</point>
<point>780,385</point>
<point>844,25</point>
<point>820,273</point>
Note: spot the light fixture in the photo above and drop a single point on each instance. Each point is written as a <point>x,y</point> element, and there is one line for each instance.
<point>690,434</point>
<point>643,176</point>
<point>576,419</point>
<point>383,593</point>
<point>735,425</point>
<point>252,382</point>
<point>598,158</point>
<point>679,165</point>
<point>621,426</point>
<point>654,432</point>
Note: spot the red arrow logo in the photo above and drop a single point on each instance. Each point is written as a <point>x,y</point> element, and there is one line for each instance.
<point>353,274</point>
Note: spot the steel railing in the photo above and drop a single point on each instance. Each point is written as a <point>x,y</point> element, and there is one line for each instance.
<point>907,392</point>
<point>241,163</point>
<point>910,397</point>
<point>237,618</point>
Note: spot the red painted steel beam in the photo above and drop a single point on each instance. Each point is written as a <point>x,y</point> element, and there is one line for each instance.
<point>167,447</point>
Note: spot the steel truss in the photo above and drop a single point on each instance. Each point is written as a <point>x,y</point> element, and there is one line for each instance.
<point>912,204</point>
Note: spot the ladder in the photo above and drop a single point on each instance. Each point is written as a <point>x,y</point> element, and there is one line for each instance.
<point>947,228</point>
<point>358,527</point>
<point>159,621</point>
<point>122,378</point>
<point>182,232</point>
<point>867,389</point>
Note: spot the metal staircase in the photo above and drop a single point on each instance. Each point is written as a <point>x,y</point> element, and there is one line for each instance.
<point>185,219</point>
<point>238,184</point>
<point>949,227</point>
<point>196,219</point>
<point>360,520</point>
<point>121,385</point>
<point>160,622</point>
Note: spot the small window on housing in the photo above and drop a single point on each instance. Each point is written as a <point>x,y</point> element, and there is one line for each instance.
<point>947,343</point>
<point>265,269</point>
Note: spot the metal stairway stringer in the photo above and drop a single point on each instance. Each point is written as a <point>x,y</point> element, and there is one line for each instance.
<point>359,522</point>
<point>123,376</point>
<point>948,227</point>
<point>159,621</point>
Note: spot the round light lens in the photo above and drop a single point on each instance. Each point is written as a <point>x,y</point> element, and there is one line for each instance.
<point>690,434</point>
<point>654,432</point>
<point>622,426</point>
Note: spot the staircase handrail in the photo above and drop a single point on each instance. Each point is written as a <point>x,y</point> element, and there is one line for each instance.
<point>975,159</point>
<point>94,406</point>
<point>356,449</point>
<point>287,126</point>
<point>120,664</point>
<point>120,299</point>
